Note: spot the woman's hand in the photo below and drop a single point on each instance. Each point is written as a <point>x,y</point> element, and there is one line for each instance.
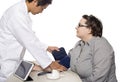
<point>55,65</point>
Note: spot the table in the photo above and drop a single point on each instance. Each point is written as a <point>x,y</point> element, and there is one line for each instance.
<point>66,76</point>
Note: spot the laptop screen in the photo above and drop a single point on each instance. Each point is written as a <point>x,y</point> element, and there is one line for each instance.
<point>23,70</point>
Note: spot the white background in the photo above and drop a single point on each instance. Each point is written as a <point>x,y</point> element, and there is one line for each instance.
<point>56,25</point>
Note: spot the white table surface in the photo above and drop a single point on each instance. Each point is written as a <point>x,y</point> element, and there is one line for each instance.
<point>66,76</point>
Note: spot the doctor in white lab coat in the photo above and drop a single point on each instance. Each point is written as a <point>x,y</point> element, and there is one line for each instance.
<point>16,35</point>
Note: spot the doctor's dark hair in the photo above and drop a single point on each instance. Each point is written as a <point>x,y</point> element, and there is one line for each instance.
<point>94,24</point>
<point>41,2</point>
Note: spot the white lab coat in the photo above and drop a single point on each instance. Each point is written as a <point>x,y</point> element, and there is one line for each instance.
<point>16,35</point>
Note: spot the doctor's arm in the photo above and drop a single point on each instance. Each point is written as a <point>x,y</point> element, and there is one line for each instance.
<point>20,28</point>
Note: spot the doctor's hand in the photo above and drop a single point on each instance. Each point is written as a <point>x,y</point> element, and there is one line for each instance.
<point>37,68</point>
<point>52,48</point>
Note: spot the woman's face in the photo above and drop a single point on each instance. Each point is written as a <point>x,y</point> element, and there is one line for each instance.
<point>82,31</point>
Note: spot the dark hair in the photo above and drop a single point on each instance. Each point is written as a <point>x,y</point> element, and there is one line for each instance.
<point>95,24</point>
<point>41,2</point>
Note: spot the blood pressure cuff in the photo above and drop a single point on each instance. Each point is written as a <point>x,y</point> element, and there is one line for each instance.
<point>58,55</point>
<point>63,58</point>
<point>65,61</point>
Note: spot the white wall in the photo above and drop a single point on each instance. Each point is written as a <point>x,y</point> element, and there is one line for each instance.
<point>56,25</point>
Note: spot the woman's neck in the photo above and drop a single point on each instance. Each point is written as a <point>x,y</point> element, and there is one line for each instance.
<point>87,38</point>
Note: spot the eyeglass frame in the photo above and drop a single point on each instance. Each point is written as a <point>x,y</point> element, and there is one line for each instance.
<point>80,25</point>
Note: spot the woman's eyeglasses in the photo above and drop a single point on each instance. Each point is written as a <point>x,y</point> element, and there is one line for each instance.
<point>80,25</point>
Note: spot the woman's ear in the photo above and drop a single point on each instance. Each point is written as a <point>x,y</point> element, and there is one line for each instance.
<point>90,30</point>
<point>35,2</point>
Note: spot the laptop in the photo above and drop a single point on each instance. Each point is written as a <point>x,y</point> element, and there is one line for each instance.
<point>23,70</point>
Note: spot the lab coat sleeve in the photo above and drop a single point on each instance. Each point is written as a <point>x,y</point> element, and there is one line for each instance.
<point>102,61</point>
<point>20,27</point>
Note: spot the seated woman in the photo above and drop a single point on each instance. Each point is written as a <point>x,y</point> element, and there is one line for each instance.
<point>92,58</point>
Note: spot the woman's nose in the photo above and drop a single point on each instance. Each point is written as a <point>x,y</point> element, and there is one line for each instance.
<point>76,27</point>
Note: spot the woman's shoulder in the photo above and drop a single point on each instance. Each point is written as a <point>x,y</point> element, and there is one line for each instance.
<point>98,40</point>
<point>102,42</point>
